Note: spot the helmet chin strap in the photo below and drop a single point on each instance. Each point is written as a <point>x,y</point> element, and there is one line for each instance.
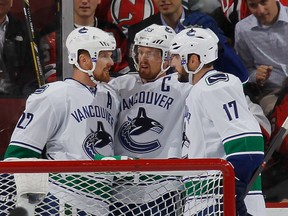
<point>161,72</point>
<point>190,78</point>
<point>89,72</point>
<point>136,67</point>
<point>191,73</point>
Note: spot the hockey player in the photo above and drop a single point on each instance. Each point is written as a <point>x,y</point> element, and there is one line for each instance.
<point>218,121</point>
<point>73,119</point>
<point>149,104</point>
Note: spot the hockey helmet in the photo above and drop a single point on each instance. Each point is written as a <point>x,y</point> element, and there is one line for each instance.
<point>155,36</point>
<point>199,41</point>
<point>91,39</point>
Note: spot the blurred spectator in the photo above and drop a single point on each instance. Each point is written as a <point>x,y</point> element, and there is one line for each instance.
<point>279,115</point>
<point>214,9</point>
<point>16,66</point>
<point>237,10</point>
<point>125,13</point>
<point>275,176</point>
<point>260,41</point>
<point>84,15</point>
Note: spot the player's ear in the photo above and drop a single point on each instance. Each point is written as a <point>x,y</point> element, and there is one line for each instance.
<point>194,59</point>
<point>81,58</point>
<point>84,60</point>
<point>191,60</point>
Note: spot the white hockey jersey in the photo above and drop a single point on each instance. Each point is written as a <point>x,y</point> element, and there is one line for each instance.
<point>150,122</point>
<point>73,122</point>
<point>220,125</point>
<point>217,113</point>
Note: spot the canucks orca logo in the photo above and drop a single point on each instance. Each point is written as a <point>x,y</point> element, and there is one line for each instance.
<point>98,142</point>
<point>137,126</point>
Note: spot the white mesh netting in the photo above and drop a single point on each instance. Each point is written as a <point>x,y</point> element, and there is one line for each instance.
<point>113,194</point>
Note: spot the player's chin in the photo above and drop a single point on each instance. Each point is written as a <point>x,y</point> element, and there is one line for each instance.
<point>105,77</point>
<point>144,71</point>
<point>144,74</point>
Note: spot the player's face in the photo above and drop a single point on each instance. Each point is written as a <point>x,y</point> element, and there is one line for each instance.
<point>85,8</point>
<point>176,63</point>
<point>266,11</point>
<point>167,7</point>
<point>149,62</point>
<point>5,6</point>
<point>103,66</point>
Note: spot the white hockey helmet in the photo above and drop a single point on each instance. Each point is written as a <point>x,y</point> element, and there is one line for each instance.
<point>155,36</point>
<point>91,39</point>
<point>199,41</point>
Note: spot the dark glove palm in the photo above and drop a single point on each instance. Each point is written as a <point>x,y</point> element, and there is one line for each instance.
<point>240,189</point>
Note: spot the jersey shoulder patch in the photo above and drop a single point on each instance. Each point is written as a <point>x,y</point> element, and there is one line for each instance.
<point>41,89</point>
<point>216,77</point>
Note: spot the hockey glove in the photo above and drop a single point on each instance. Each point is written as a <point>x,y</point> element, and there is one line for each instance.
<point>240,189</point>
<point>32,187</point>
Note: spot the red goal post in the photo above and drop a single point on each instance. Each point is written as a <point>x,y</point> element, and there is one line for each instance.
<point>211,180</point>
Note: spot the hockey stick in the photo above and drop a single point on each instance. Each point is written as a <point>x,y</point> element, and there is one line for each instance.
<point>274,144</point>
<point>34,48</point>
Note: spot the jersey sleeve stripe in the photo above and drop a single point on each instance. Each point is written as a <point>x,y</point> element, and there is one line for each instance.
<point>250,144</point>
<point>15,151</point>
<point>237,136</point>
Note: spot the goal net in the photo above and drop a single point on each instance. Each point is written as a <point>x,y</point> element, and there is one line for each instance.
<point>119,187</point>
